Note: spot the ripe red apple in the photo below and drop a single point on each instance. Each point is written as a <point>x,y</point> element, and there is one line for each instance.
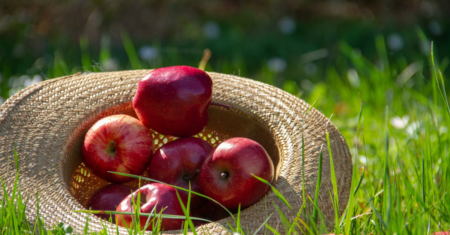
<point>117,143</point>
<point>178,163</point>
<point>226,174</point>
<point>160,195</point>
<point>174,100</point>
<point>108,198</point>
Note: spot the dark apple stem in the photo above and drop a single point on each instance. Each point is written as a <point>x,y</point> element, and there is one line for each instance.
<point>189,177</point>
<point>221,105</point>
<point>112,146</point>
<point>224,175</point>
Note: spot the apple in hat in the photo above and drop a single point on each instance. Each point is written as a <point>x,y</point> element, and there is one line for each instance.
<point>153,197</point>
<point>226,174</point>
<point>174,100</point>
<point>178,163</point>
<point>108,198</point>
<point>117,143</point>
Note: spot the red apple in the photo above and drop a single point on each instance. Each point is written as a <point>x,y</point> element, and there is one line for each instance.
<point>160,195</point>
<point>108,198</point>
<point>174,100</point>
<point>117,143</point>
<point>226,174</point>
<point>178,163</point>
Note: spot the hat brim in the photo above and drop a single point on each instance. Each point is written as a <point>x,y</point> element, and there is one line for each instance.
<point>45,123</point>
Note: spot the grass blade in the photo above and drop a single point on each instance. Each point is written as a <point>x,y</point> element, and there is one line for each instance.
<point>318,183</point>
<point>277,193</point>
<point>273,230</point>
<point>333,181</point>
<point>388,198</point>
<point>179,188</point>
<point>284,220</point>
<point>131,51</point>
<point>319,211</point>
<point>105,51</point>
<point>262,225</point>
<point>186,210</point>
<point>85,57</point>
<point>438,84</point>
<point>16,158</point>
<point>303,154</point>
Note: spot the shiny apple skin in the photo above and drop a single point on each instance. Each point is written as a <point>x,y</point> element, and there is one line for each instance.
<point>118,143</point>
<point>239,158</point>
<point>154,194</point>
<point>108,198</point>
<point>174,100</point>
<point>178,160</point>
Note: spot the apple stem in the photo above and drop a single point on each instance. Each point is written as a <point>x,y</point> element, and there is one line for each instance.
<point>224,175</point>
<point>221,105</point>
<point>113,146</point>
<point>189,177</point>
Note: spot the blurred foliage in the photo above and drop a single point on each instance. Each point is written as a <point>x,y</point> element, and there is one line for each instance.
<point>288,44</point>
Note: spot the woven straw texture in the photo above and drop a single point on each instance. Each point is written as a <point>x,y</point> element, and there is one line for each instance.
<point>46,124</point>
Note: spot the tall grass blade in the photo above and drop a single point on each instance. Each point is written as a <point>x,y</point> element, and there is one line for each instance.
<point>333,181</point>
<point>273,230</point>
<point>382,53</point>
<point>86,225</point>
<point>440,82</point>
<point>359,182</point>
<point>16,157</point>
<point>131,51</point>
<point>85,57</point>
<point>305,225</point>
<point>444,92</point>
<point>179,188</point>
<point>303,153</point>
<point>11,206</point>
<point>379,217</point>
<point>277,193</point>
<point>320,212</point>
<point>105,50</point>
<point>387,190</point>
<point>187,209</point>
<point>59,66</point>
<point>263,224</point>
<point>238,220</point>
<point>318,183</point>
<point>2,209</point>
<point>164,216</point>
<point>150,219</point>
<point>349,211</point>
<point>284,221</point>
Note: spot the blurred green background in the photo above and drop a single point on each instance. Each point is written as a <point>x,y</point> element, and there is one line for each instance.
<point>289,44</point>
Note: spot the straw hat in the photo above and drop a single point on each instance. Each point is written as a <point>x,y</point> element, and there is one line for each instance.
<point>46,124</point>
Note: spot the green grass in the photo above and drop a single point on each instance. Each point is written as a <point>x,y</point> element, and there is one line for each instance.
<point>401,176</point>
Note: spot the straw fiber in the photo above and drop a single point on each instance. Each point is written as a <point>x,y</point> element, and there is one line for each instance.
<point>46,124</point>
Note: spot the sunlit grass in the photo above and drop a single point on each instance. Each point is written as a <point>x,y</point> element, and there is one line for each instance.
<point>396,124</point>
